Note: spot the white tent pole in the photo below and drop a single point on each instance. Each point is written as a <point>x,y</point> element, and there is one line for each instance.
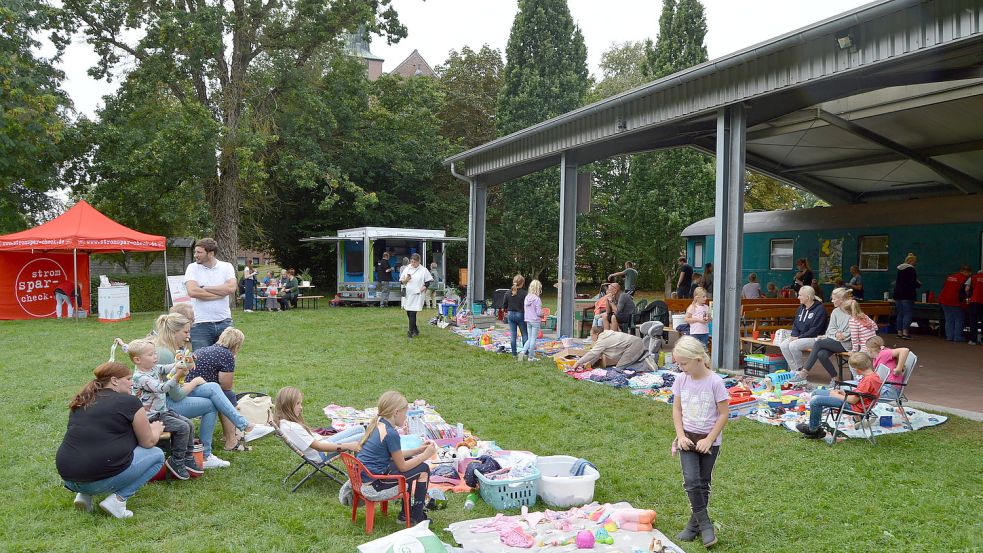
<point>165,274</point>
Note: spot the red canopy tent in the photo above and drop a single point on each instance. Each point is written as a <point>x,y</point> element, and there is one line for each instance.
<point>32,270</point>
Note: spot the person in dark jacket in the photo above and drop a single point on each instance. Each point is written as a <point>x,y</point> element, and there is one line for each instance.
<point>515,301</point>
<point>809,323</point>
<point>383,276</point>
<point>905,286</point>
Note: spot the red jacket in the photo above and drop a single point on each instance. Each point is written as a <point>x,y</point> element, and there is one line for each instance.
<point>976,283</point>
<point>950,293</point>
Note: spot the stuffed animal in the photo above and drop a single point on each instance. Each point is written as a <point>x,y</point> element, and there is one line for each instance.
<point>634,520</point>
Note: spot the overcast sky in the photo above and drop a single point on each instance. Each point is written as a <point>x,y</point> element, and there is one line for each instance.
<point>437,26</point>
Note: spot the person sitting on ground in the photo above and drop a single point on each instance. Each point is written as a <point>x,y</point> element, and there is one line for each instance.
<point>771,291</point>
<point>698,317</point>
<point>620,348</point>
<point>631,277</point>
<point>217,363</point>
<point>685,282</point>
<point>835,340</point>
<point>288,416</point>
<point>810,318</point>
<point>151,382</point>
<point>869,384</point>
<point>196,397</point>
<point>109,445</point>
<point>751,290</point>
<point>381,453</point>
<point>291,291</point>
<point>895,359</point>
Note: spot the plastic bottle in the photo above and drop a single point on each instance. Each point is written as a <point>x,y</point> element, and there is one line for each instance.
<point>778,390</point>
<point>415,420</point>
<point>470,501</point>
<point>460,430</point>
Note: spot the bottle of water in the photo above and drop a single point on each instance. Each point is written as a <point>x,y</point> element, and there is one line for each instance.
<point>470,501</point>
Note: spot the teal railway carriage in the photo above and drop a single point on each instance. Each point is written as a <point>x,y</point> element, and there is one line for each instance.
<point>944,233</point>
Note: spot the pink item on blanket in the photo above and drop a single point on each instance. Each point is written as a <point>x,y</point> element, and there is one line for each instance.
<point>497,524</point>
<point>634,520</point>
<point>515,537</point>
<point>532,518</point>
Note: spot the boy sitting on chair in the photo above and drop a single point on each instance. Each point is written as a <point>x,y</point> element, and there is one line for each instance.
<point>870,384</point>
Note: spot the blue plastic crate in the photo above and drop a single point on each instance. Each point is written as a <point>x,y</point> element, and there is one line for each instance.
<point>510,493</point>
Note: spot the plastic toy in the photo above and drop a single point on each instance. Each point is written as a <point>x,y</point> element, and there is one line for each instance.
<point>634,520</point>
<point>585,540</point>
<point>602,536</point>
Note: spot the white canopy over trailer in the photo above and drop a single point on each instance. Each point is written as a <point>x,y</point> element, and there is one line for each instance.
<point>360,248</point>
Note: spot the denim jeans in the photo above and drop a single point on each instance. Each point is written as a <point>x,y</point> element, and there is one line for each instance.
<point>821,351</point>
<point>382,292</point>
<point>517,322</point>
<point>146,463</point>
<point>250,300</point>
<point>955,319</point>
<point>889,391</point>
<point>529,347</point>
<point>61,298</point>
<point>206,334</point>
<point>697,472</point>
<point>821,399</point>
<point>206,401</point>
<point>352,434</point>
<point>905,310</point>
<point>703,338</point>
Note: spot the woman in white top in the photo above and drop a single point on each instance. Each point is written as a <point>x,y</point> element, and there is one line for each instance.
<point>288,412</point>
<point>415,279</point>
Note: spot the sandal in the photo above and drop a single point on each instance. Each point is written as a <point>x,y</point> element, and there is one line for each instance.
<point>240,446</point>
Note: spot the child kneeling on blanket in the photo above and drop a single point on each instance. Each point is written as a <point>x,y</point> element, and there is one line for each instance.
<point>870,384</point>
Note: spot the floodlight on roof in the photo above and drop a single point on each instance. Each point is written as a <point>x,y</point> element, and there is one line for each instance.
<point>846,41</point>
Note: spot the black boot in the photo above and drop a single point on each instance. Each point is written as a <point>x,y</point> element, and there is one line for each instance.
<point>691,531</point>
<point>417,513</point>
<point>707,533</point>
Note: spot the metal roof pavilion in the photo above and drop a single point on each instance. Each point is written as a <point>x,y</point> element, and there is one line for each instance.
<point>879,103</point>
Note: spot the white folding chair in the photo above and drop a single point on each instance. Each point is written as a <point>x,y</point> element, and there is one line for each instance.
<point>909,369</point>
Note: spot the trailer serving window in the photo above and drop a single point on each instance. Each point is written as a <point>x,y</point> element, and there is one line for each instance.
<point>873,253</point>
<point>781,254</point>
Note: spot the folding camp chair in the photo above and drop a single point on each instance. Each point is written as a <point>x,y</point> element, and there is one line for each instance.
<point>355,471</point>
<point>316,467</point>
<point>909,369</point>
<point>854,410</point>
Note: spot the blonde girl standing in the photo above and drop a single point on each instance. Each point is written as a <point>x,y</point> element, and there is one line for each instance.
<point>699,414</point>
<point>698,317</point>
<point>533,314</point>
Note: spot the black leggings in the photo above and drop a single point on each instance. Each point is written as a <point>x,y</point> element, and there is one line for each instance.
<point>411,315</point>
<point>412,476</point>
<point>821,351</point>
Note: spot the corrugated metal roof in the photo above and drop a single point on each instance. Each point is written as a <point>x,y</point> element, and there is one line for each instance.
<point>907,213</point>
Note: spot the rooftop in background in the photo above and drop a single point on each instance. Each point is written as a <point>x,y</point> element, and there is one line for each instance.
<point>878,103</point>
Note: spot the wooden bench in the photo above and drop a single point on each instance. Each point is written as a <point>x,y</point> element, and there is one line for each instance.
<point>302,299</point>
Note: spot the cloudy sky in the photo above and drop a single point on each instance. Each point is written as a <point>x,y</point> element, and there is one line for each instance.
<point>437,26</point>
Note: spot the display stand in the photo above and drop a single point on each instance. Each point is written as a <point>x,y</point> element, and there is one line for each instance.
<point>114,304</point>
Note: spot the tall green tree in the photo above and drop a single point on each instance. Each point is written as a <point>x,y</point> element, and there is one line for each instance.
<point>471,82</point>
<point>35,134</point>
<point>671,189</point>
<point>545,76</point>
<point>209,54</point>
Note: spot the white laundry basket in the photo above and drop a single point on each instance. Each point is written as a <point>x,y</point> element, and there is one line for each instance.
<point>558,488</point>
<point>678,319</point>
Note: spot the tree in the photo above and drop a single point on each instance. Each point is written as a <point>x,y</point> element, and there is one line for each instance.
<point>545,76</point>
<point>35,134</point>
<point>471,82</point>
<point>622,69</point>
<point>209,54</point>
<point>763,193</point>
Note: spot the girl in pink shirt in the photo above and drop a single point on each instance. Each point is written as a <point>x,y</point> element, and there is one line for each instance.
<point>894,359</point>
<point>698,317</point>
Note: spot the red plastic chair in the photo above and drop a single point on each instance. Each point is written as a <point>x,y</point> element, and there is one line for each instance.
<point>355,471</point>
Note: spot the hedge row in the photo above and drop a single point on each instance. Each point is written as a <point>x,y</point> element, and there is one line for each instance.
<point>146,292</point>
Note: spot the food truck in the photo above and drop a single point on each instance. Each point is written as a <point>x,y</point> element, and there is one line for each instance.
<point>360,248</point>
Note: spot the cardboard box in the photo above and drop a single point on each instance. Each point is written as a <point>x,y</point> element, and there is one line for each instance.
<point>572,354</point>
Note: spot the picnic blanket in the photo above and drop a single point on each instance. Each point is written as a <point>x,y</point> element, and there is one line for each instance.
<point>499,340</point>
<point>919,419</point>
<point>545,529</point>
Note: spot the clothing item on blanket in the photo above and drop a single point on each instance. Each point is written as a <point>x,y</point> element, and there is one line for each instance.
<point>445,471</point>
<point>579,466</point>
<point>919,419</point>
<point>647,380</point>
<point>486,464</point>
<point>612,378</point>
<point>520,469</point>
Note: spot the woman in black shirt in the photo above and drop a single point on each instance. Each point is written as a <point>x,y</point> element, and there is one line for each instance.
<point>514,301</point>
<point>109,445</point>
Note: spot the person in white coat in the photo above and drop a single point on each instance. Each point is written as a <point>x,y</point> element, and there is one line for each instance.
<point>415,279</point>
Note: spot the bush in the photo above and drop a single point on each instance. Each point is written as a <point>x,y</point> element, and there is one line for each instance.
<point>146,292</point>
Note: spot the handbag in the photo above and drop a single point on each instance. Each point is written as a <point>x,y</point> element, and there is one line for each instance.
<point>256,407</point>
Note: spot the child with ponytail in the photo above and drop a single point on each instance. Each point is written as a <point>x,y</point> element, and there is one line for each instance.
<point>699,413</point>
<point>288,413</point>
<point>380,451</point>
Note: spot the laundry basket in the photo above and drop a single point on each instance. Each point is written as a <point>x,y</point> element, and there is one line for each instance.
<point>558,488</point>
<point>510,493</point>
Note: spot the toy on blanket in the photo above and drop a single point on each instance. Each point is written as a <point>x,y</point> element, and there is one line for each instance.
<point>602,536</point>
<point>632,520</point>
<point>585,540</point>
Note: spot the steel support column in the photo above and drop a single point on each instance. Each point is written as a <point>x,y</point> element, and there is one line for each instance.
<point>476,242</point>
<point>567,279</point>
<point>729,235</point>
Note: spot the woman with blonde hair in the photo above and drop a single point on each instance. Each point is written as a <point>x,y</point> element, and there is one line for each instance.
<point>905,286</point>
<point>533,313</point>
<point>835,340</point>
<point>381,453</point>
<point>288,414</point>
<point>515,301</point>
<point>862,327</point>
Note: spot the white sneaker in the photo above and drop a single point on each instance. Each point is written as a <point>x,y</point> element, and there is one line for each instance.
<point>83,502</point>
<point>115,507</point>
<point>800,376</point>
<point>258,431</point>
<point>247,310</point>
<point>522,356</point>
<point>214,462</point>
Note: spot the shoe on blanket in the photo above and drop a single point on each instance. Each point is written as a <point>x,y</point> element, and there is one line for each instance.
<point>800,376</point>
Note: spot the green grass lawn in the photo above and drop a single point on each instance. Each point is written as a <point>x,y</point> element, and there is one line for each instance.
<point>772,490</point>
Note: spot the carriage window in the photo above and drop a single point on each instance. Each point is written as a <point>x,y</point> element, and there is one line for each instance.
<point>698,254</point>
<point>873,253</point>
<point>781,254</point>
